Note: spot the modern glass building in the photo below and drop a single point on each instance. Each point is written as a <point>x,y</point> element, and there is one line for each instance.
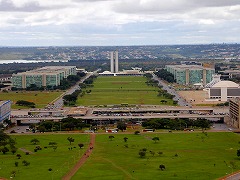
<point>5,110</point>
<point>191,74</point>
<point>43,77</point>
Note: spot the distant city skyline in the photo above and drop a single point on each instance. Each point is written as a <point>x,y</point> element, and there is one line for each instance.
<point>118,22</point>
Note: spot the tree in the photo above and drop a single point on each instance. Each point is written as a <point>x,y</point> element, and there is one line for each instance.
<point>4,150</point>
<point>80,145</point>
<point>125,139</point>
<point>122,126</point>
<point>155,139</point>
<point>142,152</point>
<point>18,156</point>
<point>238,152</point>
<point>13,173</point>
<point>52,144</point>
<point>54,148</point>
<point>25,103</point>
<point>25,163</point>
<point>137,132</point>
<point>162,167</point>
<point>13,150</point>
<point>70,139</point>
<point>152,153</point>
<point>111,137</point>
<point>35,141</point>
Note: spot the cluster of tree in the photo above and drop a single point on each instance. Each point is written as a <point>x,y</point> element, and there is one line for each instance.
<point>164,93</point>
<point>7,143</point>
<point>223,104</point>
<point>164,74</point>
<point>90,79</point>
<point>66,124</point>
<point>71,99</point>
<point>25,103</point>
<point>70,81</point>
<point>178,124</point>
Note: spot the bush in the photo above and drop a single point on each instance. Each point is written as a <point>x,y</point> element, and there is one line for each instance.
<point>25,163</point>
<point>18,156</point>
<point>137,132</point>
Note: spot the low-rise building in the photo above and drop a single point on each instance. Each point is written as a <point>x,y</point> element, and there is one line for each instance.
<point>224,90</point>
<point>234,112</point>
<point>191,74</point>
<point>42,77</point>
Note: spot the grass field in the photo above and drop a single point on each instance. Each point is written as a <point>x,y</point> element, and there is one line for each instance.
<point>60,160</point>
<point>41,99</point>
<point>198,157</point>
<point>121,89</point>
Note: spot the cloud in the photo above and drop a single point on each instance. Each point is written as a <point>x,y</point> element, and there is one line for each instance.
<point>119,21</point>
<point>33,6</point>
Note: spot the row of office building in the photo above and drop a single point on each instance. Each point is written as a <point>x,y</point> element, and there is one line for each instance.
<point>42,77</point>
<point>191,74</point>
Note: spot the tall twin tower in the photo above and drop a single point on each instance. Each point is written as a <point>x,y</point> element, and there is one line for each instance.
<point>114,62</point>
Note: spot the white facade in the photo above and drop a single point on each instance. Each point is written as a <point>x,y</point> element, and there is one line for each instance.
<point>224,90</point>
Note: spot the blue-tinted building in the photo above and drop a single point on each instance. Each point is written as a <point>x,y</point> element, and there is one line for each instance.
<point>5,110</point>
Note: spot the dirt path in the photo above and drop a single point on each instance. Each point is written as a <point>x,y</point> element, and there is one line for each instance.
<point>83,159</point>
<point>25,150</point>
<point>129,176</point>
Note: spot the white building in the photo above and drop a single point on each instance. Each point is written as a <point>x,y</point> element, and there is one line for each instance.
<point>114,62</point>
<point>224,90</point>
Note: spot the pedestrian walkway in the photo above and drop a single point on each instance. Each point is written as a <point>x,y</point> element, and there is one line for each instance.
<point>83,159</point>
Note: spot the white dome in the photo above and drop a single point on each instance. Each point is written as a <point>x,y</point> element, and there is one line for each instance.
<point>226,84</point>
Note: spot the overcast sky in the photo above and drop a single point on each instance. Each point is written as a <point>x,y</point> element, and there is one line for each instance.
<point>118,22</point>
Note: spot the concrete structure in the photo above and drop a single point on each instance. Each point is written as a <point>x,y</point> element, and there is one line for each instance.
<point>5,110</point>
<point>224,90</point>
<point>215,79</point>
<point>77,111</point>
<point>42,77</point>
<point>132,72</point>
<point>234,112</point>
<point>114,62</point>
<point>191,74</point>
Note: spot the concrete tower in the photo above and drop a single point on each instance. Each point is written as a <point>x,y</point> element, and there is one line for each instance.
<point>114,61</point>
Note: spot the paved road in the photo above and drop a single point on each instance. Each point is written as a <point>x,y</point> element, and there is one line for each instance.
<point>58,103</point>
<point>181,101</point>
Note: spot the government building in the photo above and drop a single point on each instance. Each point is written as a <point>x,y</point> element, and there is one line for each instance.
<point>234,112</point>
<point>42,77</point>
<point>191,74</point>
<point>5,110</point>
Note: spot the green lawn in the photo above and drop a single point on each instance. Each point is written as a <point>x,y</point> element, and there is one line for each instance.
<point>121,89</point>
<point>198,157</point>
<point>60,160</point>
<point>41,99</point>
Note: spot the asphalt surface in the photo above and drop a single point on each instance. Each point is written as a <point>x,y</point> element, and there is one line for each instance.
<point>179,99</point>
<point>57,104</point>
